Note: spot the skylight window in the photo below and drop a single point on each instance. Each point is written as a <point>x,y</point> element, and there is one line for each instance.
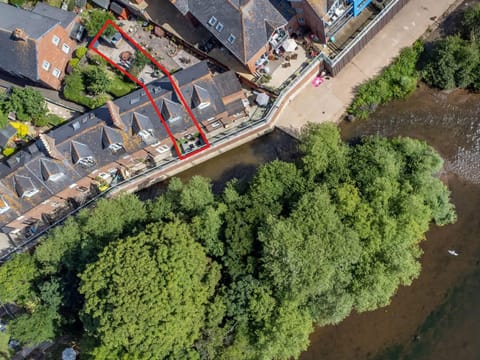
<point>212,21</point>
<point>231,39</point>
<point>219,27</point>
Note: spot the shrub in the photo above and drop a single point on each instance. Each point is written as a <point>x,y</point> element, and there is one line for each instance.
<point>50,119</point>
<point>80,52</point>
<point>74,63</point>
<point>22,129</point>
<point>8,151</point>
<point>395,82</point>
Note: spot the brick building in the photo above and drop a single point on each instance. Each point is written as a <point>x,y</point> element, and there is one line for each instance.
<point>249,29</point>
<point>37,44</point>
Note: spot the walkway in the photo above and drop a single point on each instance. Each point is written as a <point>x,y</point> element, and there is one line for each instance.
<point>330,101</point>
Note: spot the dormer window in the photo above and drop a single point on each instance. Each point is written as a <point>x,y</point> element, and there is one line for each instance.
<point>146,135</point>
<point>24,186</point>
<point>115,147</point>
<point>231,39</point>
<point>219,27</point>
<point>212,21</point>
<point>200,97</point>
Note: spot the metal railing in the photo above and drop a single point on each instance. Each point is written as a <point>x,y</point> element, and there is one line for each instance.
<point>345,51</point>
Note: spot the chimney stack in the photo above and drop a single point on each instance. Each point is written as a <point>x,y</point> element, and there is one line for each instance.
<point>49,145</point>
<point>114,111</point>
<point>20,34</point>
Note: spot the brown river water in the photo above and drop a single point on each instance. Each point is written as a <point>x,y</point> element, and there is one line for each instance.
<point>438,316</point>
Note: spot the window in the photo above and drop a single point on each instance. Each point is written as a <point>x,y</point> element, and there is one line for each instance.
<point>45,65</point>
<point>231,39</point>
<point>56,73</point>
<point>30,193</point>
<point>212,21</point>
<point>115,147</point>
<point>203,105</point>
<point>219,27</point>
<point>65,48</point>
<point>301,20</point>
<point>55,40</point>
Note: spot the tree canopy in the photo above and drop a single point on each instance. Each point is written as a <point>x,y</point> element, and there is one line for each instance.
<point>94,21</point>
<point>243,274</point>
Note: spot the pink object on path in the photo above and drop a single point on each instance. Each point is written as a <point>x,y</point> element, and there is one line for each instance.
<point>318,81</point>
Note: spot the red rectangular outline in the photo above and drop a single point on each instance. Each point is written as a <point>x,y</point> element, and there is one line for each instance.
<point>150,97</point>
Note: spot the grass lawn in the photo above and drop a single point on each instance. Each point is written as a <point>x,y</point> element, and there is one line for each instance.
<point>4,344</point>
<point>119,87</point>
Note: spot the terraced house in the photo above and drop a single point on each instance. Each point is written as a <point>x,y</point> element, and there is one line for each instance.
<point>70,164</point>
<point>249,29</point>
<point>37,44</point>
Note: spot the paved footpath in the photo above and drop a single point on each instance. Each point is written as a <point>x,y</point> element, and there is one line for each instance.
<point>329,101</point>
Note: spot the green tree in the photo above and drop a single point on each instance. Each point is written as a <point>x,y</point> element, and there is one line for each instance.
<point>471,22</point>
<point>17,278</point>
<point>452,63</point>
<point>96,80</point>
<point>94,21</point>
<point>28,104</point>
<point>146,296</point>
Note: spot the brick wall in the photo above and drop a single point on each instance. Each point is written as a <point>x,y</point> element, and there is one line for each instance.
<point>56,48</point>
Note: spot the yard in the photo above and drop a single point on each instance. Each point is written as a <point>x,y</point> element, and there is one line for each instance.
<point>92,82</point>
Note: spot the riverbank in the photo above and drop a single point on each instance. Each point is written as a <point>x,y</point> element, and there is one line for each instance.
<point>407,325</point>
<point>330,101</point>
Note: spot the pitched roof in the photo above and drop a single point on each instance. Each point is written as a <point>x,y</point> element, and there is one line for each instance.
<point>227,83</point>
<point>65,18</point>
<point>110,136</point>
<point>79,151</point>
<point>249,21</point>
<point>20,56</point>
<point>6,133</point>
<point>171,110</point>
<point>140,122</point>
<point>23,185</point>
<point>200,96</point>
<point>49,169</point>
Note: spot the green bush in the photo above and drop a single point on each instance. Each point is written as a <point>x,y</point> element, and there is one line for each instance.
<point>50,119</point>
<point>80,52</point>
<point>395,82</point>
<point>17,3</point>
<point>452,63</point>
<point>8,151</point>
<point>74,63</point>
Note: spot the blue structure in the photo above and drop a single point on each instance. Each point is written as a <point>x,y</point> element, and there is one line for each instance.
<point>359,6</point>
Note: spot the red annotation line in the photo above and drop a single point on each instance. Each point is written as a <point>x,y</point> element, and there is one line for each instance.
<point>150,97</point>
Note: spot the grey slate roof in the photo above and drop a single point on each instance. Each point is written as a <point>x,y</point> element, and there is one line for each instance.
<point>49,169</point>
<point>65,18</point>
<point>250,21</point>
<point>85,136</point>
<point>227,83</point>
<point>5,134</point>
<point>140,122</point>
<point>80,151</point>
<point>18,56</point>
<point>171,110</point>
<point>110,136</point>
<point>23,184</point>
<point>200,96</point>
